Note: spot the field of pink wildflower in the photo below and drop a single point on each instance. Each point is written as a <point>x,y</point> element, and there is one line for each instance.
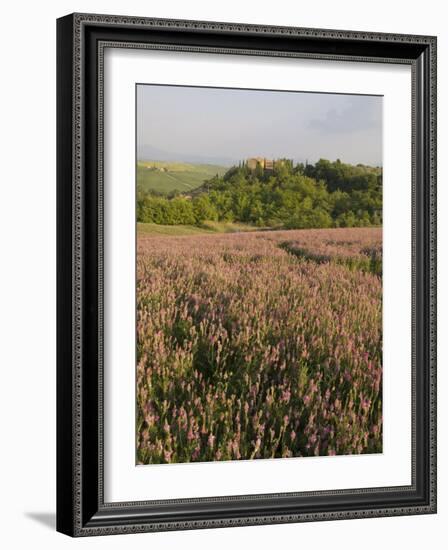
<point>259,345</point>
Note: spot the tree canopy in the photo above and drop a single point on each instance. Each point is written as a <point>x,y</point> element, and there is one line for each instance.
<point>326,194</point>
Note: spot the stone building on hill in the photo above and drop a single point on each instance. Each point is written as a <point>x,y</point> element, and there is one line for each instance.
<point>267,165</point>
<point>253,162</point>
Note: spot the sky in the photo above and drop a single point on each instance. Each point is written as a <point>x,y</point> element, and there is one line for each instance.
<point>224,125</point>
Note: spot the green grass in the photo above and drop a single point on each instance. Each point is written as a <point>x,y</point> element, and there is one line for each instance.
<point>369,262</point>
<point>206,228</point>
<point>165,177</point>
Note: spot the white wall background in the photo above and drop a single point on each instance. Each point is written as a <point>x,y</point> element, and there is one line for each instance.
<point>27,273</point>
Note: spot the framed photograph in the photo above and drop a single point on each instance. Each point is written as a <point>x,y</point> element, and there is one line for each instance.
<point>246,274</point>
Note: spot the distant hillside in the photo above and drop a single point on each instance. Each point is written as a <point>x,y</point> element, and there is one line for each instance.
<point>165,177</point>
<point>148,152</point>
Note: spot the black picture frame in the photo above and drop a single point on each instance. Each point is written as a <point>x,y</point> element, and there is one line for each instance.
<point>81,510</point>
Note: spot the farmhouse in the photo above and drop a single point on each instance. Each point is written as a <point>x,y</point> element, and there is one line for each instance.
<point>155,168</point>
<point>268,164</point>
<point>252,163</point>
<point>265,164</point>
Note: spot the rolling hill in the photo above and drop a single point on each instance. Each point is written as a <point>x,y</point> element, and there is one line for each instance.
<point>165,177</point>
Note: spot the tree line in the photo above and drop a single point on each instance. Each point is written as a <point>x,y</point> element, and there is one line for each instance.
<point>326,194</point>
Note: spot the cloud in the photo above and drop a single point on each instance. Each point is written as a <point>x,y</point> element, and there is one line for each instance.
<point>360,114</point>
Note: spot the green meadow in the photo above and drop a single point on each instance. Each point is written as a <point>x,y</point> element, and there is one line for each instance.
<point>154,229</point>
<point>166,177</point>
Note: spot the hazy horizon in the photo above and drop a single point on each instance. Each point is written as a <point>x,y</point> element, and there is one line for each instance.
<point>224,125</point>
